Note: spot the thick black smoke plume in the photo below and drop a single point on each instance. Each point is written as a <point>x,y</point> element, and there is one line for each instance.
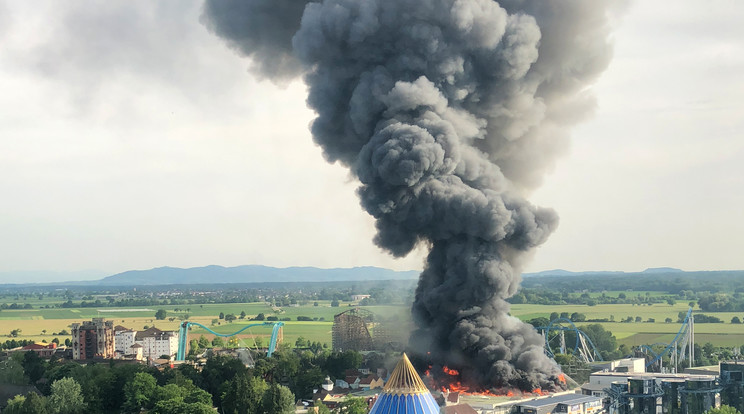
<point>448,112</point>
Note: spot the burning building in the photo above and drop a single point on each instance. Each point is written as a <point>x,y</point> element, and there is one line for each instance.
<point>447,112</point>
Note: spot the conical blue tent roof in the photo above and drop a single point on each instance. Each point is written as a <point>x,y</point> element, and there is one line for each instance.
<point>405,393</point>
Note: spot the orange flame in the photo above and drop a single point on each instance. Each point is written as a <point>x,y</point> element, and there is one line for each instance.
<point>452,384</point>
<point>562,378</point>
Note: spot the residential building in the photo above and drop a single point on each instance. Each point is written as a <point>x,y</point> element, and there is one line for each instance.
<point>371,382</point>
<point>93,339</point>
<point>156,343</point>
<point>123,339</point>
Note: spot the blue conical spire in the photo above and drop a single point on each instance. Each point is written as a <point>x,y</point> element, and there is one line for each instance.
<point>405,393</point>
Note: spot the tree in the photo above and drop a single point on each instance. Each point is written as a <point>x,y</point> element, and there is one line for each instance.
<point>353,405</point>
<point>278,399</point>
<point>15,405</point>
<point>554,316</point>
<point>539,321</point>
<point>322,409</point>
<point>11,372</point>
<point>334,303</point>
<point>724,409</point>
<point>218,342</point>
<point>35,404</point>
<point>139,391</point>
<point>222,315</point>
<point>33,365</point>
<point>244,395</point>
<point>578,317</point>
<point>180,407</point>
<point>242,314</point>
<point>161,314</point>
<point>260,317</point>
<point>203,342</point>
<point>736,320</point>
<point>66,397</point>
<point>230,317</point>
<point>602,339</point>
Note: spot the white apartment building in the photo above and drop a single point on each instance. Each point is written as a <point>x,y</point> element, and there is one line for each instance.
<point>155,342</point>
<point>123,339</point>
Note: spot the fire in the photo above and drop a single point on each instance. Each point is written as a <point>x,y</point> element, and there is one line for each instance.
<point>451,383</point>
<point>562,378</point>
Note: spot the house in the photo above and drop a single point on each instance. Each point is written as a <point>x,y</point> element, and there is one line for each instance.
<point>44,350</point>
<point>371,382</point>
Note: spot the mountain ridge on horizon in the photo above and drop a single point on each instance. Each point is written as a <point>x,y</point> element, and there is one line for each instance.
<point>208,274</point>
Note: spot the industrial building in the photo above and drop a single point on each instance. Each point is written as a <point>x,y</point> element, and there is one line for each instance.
<point>566,403</point>
<point>93,339</point>
<point>679,393</point>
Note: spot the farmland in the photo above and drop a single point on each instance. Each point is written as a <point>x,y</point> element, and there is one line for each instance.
<point>45,324</point>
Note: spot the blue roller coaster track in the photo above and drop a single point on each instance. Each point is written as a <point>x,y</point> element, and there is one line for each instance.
<point>678,344</point>
<point>183,335</point>
<point>583,346</point>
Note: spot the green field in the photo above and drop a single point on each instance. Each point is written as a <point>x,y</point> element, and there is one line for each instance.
<point>633,333</point>
<point>33,322</point>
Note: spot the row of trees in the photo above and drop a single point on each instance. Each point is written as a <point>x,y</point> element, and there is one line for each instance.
<point>271,386</point>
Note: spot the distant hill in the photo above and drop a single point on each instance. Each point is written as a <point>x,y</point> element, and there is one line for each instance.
<point>662,270</point>
<point>561,272</point>
<point>251,274</point>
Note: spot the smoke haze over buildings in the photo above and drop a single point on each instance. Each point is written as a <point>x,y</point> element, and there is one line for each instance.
<point>448,112</point>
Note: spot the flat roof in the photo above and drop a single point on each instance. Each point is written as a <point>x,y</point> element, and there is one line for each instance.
<point>593,387</point>
<point>655,375</point>
<point>560,399</point>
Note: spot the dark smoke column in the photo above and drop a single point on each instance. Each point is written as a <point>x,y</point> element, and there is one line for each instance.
<point>448,112</point>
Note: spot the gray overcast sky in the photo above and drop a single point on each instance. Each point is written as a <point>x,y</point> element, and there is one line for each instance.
<point>131,138</point>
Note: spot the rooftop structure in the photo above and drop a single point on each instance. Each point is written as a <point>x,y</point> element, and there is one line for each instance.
<point>404,393</point>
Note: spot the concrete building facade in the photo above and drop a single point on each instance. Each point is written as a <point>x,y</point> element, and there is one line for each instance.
<point>156,343</point>
<point>93,339</point>
<point>123,339</point>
